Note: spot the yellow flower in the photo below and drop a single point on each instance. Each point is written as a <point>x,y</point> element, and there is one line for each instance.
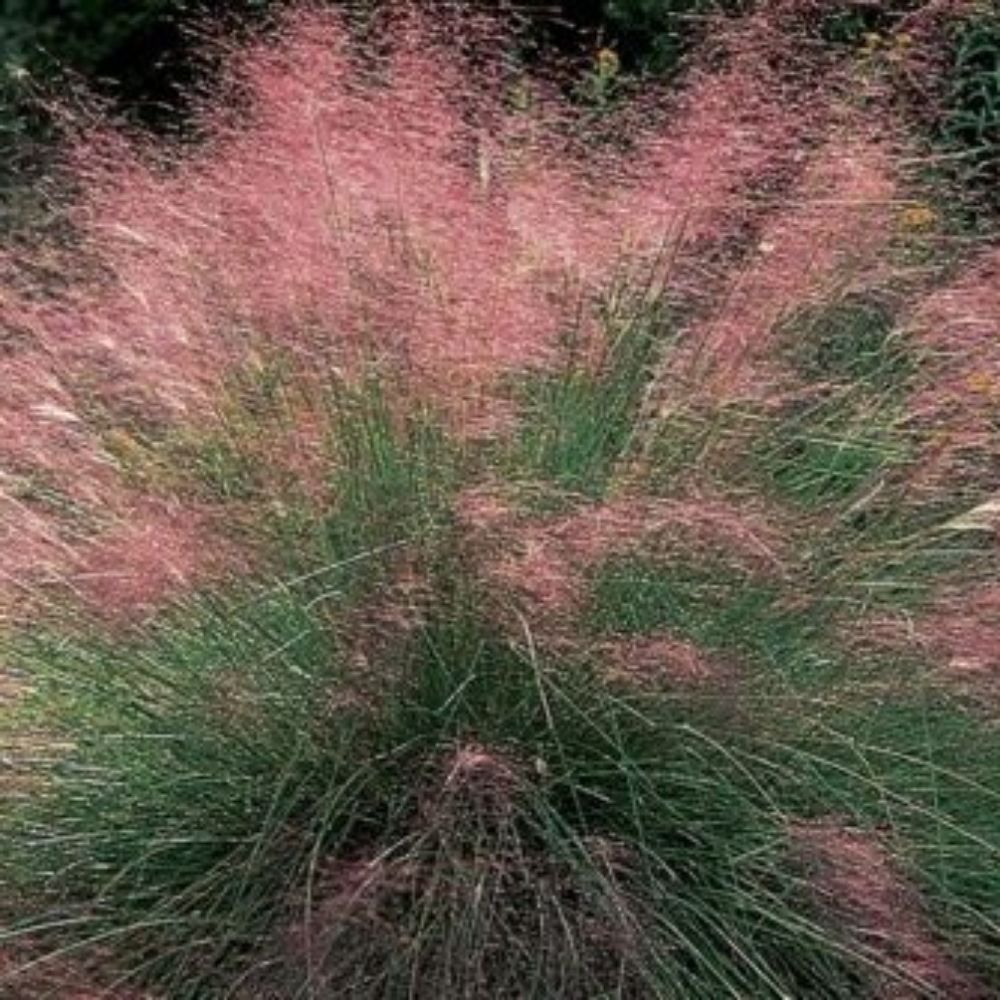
<point>608,63</point>
<point>871,41</point>
<point>983,383</point>
<point>919,216</point>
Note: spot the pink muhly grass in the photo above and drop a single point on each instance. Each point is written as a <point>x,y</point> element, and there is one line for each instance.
<point>154,553</point>
<point>41,428</point>
<point>543,563</point>
<point>856,876</point>
<point>957,325</point>
<point>659,660</point>
<point>34,554</point>
<point>732,131</point>
<point>395,207</point>
<point>347,215</point>
<point>957,635</point>
<point>836,223</point>
<point>63,979</point>
<point>739,531</point>
<point>391,205</point>
<point>68,520</point>
<point>960,633</point>
<point>133,560</point>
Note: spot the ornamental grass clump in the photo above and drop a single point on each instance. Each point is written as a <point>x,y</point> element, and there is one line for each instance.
<point>449,553</point>
<point>230,810</point>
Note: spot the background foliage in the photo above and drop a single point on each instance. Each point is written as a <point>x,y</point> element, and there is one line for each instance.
<point>971,123</point>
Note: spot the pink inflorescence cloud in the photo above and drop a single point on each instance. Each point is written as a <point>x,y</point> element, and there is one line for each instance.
<point>419,204</point>
<point>958,326</point>
<point>858,878</point>
<point>543,563</point>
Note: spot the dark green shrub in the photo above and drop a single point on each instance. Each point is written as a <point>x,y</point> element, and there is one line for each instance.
<point>654,35</point>
<point>971,123</point>
<point>848,23</point>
